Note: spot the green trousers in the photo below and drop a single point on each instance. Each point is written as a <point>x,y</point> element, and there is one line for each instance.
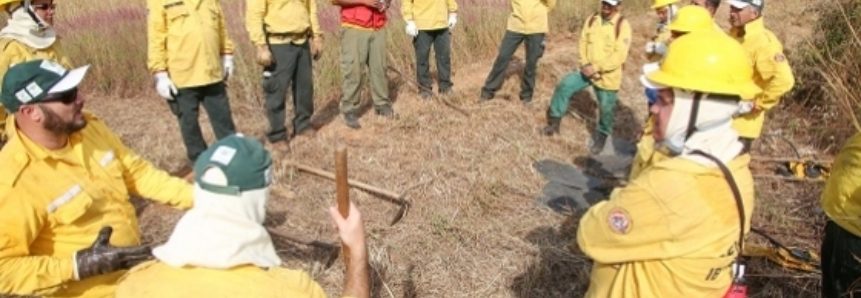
<point>575,82</point>
<point>360,48</point>
<point>186,108</point>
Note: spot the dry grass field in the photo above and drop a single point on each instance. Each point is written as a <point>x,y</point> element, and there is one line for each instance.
<point>474,229</point>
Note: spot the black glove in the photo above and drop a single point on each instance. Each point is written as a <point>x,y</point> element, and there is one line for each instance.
<point>103,258</point>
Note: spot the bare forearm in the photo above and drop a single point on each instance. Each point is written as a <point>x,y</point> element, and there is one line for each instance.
<point>358,275</point>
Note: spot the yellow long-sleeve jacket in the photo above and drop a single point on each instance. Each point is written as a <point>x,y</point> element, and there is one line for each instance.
<point>157,279</point>
<point>671,232</point>
<point>647,154</point>
<point>600,47</point>
<point>291,21</point>
<point>53,203</point>
<point>13,52</point>
<point>187,38</point>
<point>841,198</point>
<point>772,73</point>
<point>428,14</point>
<point>530,16</point>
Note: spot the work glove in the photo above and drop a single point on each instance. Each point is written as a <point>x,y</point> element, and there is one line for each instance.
<point>103,258</point>
<point>317,47</point>
<point>412,30</point>
<point>452,20</point>
<point>227,66</point>
<point>660,48</point>
<point>650,47</point>
<point>264,56</point>
<point>164,86</point>
<point>745,107</point>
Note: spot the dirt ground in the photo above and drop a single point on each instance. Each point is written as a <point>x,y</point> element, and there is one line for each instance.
<point>474,228</point>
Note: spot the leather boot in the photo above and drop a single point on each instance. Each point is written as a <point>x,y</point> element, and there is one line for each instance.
<point>598,143</point>
<point>552,126</point>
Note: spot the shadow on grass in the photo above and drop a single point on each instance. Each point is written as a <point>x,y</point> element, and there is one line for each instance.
<point>556,271</point>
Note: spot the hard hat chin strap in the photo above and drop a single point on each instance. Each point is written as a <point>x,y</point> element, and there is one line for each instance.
<point>28,7</point>
<point>692,121</point>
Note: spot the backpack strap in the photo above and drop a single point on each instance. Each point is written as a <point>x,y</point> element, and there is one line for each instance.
<point>619,26</point>
<point>738,203</point>
<point>592,19</point>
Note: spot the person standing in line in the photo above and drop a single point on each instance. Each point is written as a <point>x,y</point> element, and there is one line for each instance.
<point>527,24</point>
<point>287,36</point>
<point>429,23</point>
<point>191,57</point>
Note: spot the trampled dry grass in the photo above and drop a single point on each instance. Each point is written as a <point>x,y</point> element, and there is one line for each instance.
<point>474,229</point>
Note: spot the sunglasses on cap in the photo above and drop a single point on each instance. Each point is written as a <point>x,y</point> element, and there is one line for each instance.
<point>45,6</point>
<point>66,98</point>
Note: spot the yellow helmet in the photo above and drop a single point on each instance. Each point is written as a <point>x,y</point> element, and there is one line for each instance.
<point>692,18</point>
<point>6,4</point>
<point>662,3</point>
<point>709,62</point>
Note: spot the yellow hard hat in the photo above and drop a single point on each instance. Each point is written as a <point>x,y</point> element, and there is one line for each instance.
<point>6,4</point>
<point>662,3</point>
<point>692,18</point>
<point>707,61</point>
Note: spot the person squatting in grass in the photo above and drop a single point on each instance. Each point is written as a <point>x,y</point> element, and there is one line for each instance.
<point>29,34</point>
<point>66,181</point>
<point>674,230</point>
<point>220,248</point>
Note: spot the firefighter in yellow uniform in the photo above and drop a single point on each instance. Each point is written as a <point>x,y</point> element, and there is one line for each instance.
<point>28,35</point>
<point>528,23</point>
<point>604,44</point>
<point>429,22</point>
<point>190,56</point>
<point>690,18</point>
<point>287,36</point>
<point>220,248</point>
<point>772,72</point>
<point>674,230</point>
<point>656,47</point>
<point>841,201</point>
<point>67,227</point>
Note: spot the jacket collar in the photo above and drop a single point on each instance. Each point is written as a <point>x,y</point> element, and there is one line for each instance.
<point>19,142</point>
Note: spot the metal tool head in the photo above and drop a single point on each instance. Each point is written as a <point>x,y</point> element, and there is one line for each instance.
<point>402,212</point>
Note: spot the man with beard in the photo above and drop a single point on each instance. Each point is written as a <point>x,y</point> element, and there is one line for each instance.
<point>66,181</point>
<point>28,35</point>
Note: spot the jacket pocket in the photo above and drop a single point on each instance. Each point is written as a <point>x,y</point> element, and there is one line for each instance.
<point>175,10</point>
<point>70,206</point>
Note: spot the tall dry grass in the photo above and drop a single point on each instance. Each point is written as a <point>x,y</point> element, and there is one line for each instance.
<point>111,35</point>
<point>828,73</point>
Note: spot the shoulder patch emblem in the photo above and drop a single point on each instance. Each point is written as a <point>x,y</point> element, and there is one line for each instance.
<point>619,221</point>
<point>779,58</point>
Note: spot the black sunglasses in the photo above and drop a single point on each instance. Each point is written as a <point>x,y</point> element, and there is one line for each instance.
<point>45,6</point>
<point>67,97</point>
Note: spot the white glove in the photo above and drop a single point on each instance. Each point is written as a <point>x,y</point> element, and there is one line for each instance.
<point>227,66</point>
<point>660,48</point>
<point>164,86</point>
<point>650,47</point>
<point>412,30</point>
<point>452,20</point>
<point>744,107</point>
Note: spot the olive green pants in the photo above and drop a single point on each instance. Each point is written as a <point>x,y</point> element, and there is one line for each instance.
<point>361,48</point>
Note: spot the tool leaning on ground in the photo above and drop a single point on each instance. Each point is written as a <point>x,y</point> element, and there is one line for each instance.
<point>381,193</point>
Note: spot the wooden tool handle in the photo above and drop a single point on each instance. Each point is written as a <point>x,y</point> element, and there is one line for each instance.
<point>343,192</point>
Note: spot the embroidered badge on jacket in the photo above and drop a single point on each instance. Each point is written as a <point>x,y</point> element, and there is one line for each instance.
<point>619,220</point>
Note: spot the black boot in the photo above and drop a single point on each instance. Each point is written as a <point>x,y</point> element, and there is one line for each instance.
<point>352,120</point>
<point>552,126</point>
<point>598,143</point>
